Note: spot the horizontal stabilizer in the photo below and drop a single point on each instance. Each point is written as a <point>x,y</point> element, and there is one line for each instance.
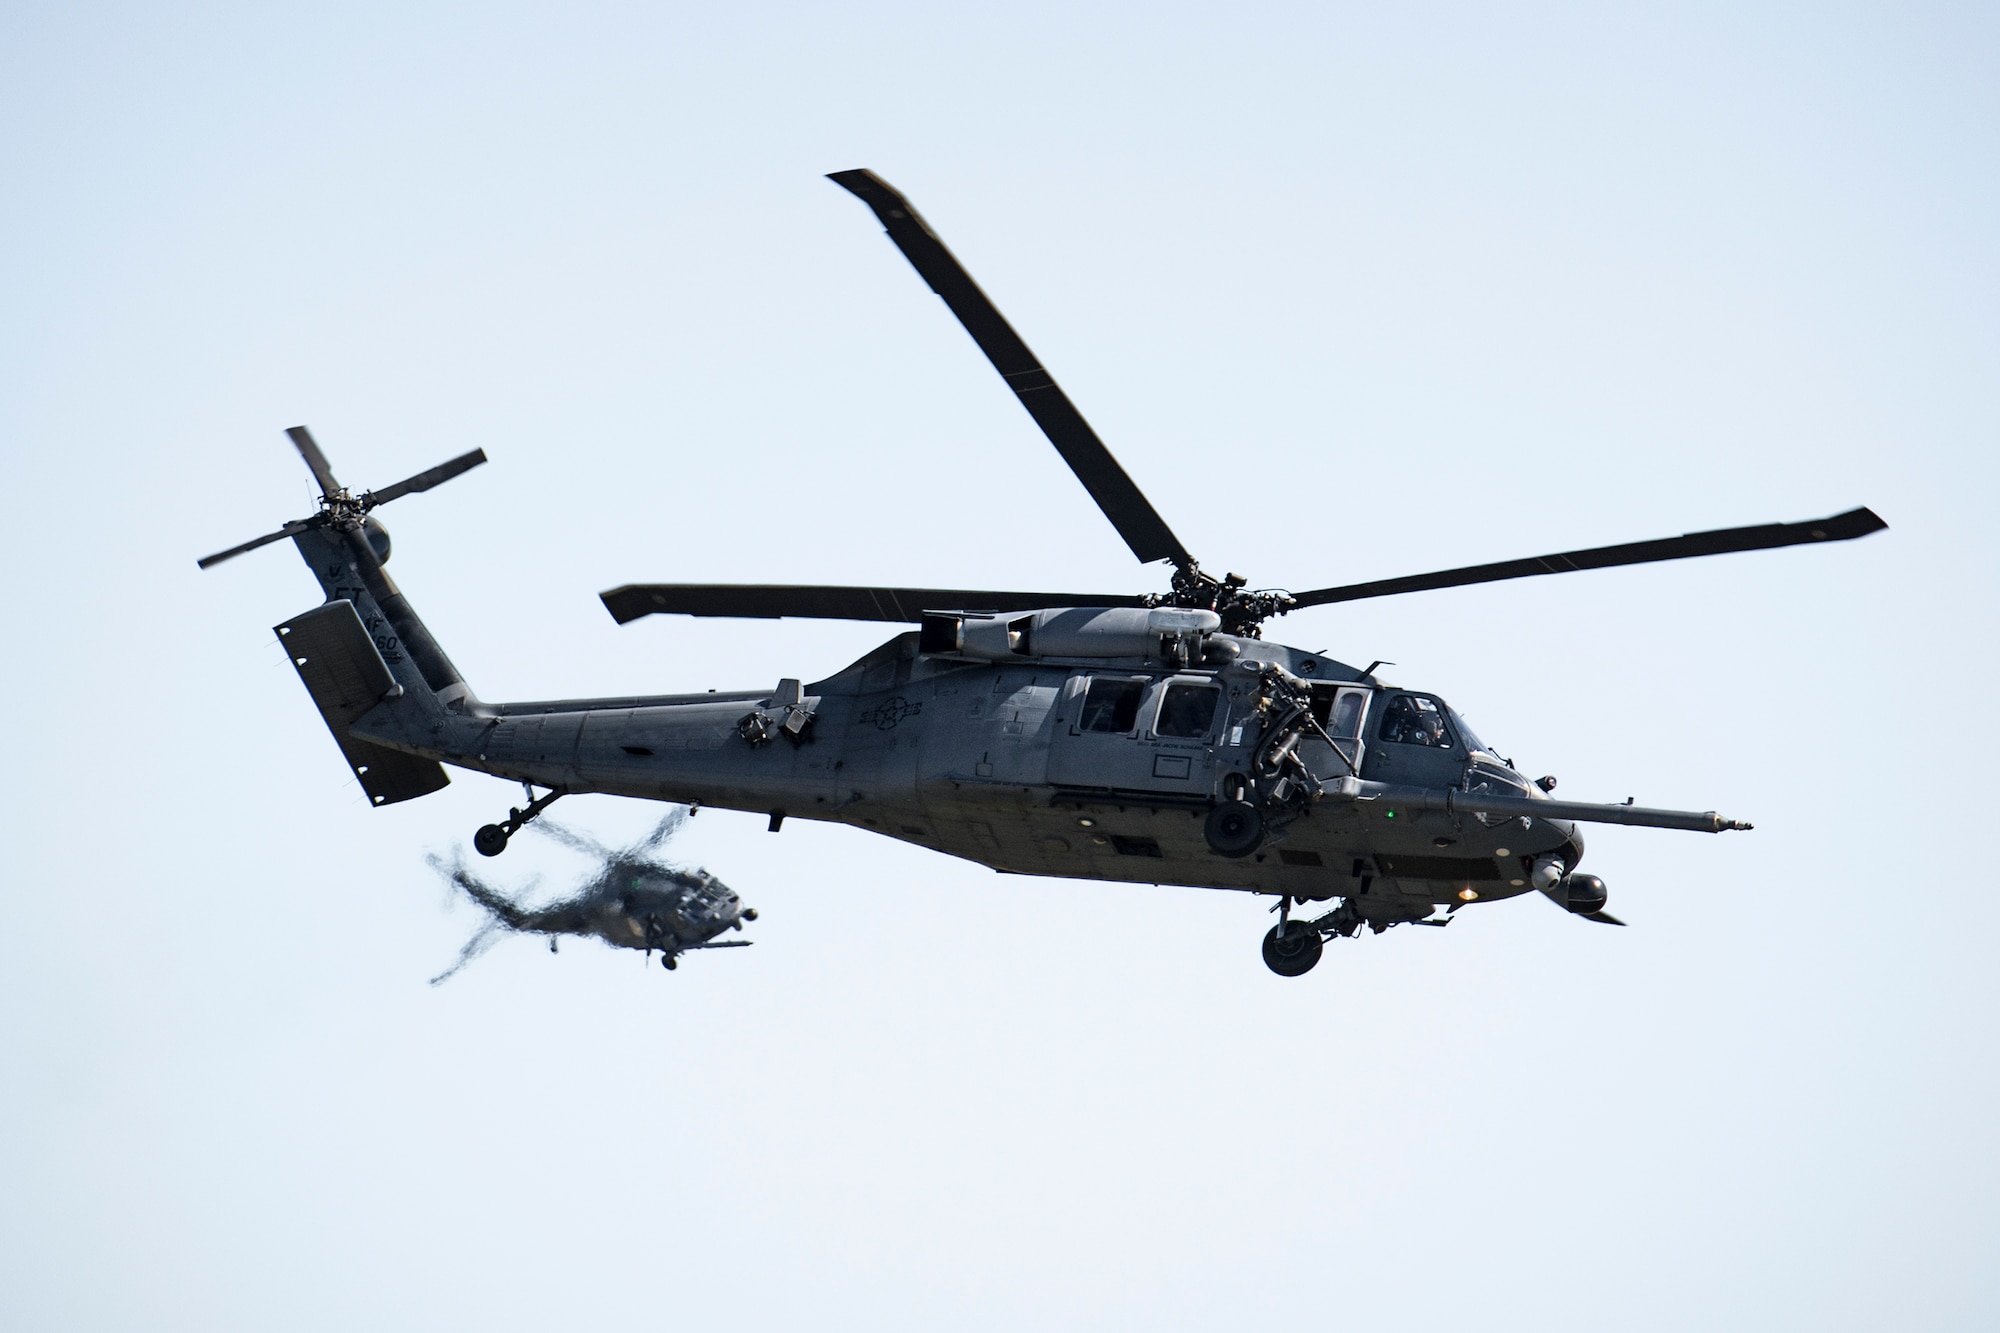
<point>346,676</point>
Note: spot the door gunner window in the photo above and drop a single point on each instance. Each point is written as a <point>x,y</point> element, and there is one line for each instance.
<point>1347,715</point>
<point>1111,705</point>
<point>1187,711</point>
<point>1412,719</point>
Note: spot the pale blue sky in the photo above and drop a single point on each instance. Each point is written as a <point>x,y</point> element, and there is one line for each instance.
<point>1351,294</point>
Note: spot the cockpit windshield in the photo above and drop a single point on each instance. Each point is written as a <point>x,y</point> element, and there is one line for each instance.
<point>1465,733</point>
<point>1415,719</point>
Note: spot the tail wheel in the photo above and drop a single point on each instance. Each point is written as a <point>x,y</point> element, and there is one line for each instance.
<point>490,840</point>
<point>1291,949</point>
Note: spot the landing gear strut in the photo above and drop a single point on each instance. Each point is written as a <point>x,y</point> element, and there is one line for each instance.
<point>491,839</point>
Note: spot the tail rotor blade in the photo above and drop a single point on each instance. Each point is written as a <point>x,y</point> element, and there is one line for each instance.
<point>323,474</point>
<point>289,530</point>
<point>423,481</point>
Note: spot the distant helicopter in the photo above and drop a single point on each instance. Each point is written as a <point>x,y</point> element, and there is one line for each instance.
<point>633,901</point>
<point>1148,738</point>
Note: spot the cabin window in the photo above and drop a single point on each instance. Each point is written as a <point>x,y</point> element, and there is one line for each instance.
<point>1187,710</point>
<point>1346,721</point>
<point>1413,719</point>
<point>1110,704</point>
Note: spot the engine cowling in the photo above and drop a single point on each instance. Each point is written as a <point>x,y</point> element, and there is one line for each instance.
<point>1076,631</point>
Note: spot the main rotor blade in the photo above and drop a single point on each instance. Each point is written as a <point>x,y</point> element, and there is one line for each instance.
<point>773,601</point>
<point>1121,500</point>
<point>302,439</point>
<point>574,839</point>
<point>291,529</point>
<point>1767,536</point>
<point>423,481</point>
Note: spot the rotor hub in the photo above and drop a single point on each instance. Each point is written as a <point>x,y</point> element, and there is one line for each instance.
<point>1243,611</point>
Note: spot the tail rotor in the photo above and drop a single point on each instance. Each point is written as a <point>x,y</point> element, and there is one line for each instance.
<point>338,507</point>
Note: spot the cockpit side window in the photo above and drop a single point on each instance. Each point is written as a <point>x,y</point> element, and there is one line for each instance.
<point>1111,704</point>
<point>1415,719</point>
<point>1187,710</point>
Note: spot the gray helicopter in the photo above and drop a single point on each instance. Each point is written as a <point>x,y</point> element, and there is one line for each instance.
<point>1150,738</point>
<point>634,900</point>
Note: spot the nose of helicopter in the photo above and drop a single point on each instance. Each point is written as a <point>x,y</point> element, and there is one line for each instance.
<point>716,907</point>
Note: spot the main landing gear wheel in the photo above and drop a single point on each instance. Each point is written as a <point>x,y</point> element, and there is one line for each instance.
<point>491,840</point>
<point>1234,829</point>
<point>667,961</point>
<point>1291,949</point>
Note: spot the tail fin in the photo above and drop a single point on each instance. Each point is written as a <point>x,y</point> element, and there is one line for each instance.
<point>346,675</point>
<point>349,569</point>
<point>365,651</point>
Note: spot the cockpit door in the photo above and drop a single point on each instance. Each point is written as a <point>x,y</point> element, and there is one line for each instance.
<point>1415,743</point>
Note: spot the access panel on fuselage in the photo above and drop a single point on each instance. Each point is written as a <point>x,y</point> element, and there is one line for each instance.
<point>991,725</point>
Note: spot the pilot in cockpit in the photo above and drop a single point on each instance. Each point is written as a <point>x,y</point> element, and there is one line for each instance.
<point>1415,720</point>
